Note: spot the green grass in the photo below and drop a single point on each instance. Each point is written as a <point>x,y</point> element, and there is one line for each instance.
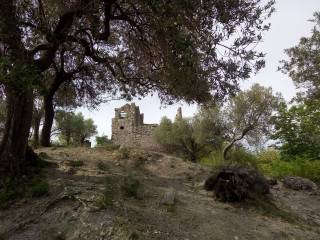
<point>296,167</point>
<point>237,156</point>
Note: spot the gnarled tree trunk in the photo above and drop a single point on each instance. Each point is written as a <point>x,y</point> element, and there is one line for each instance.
<point>15,139</point>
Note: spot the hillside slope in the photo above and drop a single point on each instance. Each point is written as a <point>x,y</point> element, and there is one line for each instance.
<point>75,207</point>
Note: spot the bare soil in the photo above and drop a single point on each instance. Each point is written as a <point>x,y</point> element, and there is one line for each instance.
<point>73,209</point>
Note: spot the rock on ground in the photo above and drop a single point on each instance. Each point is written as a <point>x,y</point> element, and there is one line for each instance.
<point>299,183</point>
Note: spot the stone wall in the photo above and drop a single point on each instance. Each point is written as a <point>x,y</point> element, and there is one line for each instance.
<point>128,129</point>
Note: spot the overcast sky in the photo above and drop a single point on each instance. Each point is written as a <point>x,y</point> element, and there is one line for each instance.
<point>289,24</point>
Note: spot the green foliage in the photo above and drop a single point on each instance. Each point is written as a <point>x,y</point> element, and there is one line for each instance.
<point>269,155</point>
<point>298,129</point>
<point>18,74</point>
<point>73,128</point>
<point>295,167</point>
<point>248,116</point>
<point>178,137</point>
<point>36,187</point>
<point>209,127</point>
<point>214,159</point>
<point>103,141</point>
<point>242,157</point>
<point>238,156</point>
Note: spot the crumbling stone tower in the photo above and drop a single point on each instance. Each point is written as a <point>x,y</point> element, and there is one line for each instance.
<point>128,129</point>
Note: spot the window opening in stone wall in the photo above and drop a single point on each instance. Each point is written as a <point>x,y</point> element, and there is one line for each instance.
<point>123,114</point>
<point>121,127</point>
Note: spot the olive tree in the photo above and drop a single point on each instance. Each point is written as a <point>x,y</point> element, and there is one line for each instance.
<point>73,128</point>
<point>184,50</point>
<point>249,114</point>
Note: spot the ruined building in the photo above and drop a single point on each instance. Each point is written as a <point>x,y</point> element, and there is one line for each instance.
<point>129,130</point>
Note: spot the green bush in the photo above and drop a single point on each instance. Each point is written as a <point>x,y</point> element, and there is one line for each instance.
<point>103,141</point>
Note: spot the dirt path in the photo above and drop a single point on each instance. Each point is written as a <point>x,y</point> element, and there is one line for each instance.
<point>72,210</point>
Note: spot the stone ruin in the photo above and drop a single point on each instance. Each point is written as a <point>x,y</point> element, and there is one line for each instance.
<point>128,129</point>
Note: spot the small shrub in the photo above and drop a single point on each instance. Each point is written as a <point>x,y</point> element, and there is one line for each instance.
<point>75,163</point>
<point>106,199</point>
<point>102,166</point>
<point>132,187</point>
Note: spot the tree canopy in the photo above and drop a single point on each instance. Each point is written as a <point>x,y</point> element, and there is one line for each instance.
<point>304,63</point>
